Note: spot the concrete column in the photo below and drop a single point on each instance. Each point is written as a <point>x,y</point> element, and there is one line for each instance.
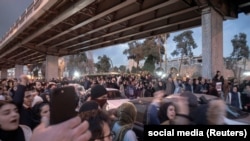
<point>51,70</point>
<point>4,73</point>
<point>212,42</point>
<point>18,70</point>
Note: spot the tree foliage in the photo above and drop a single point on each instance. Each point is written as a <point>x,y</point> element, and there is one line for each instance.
<point>103,64</point>
<point>240,51</point>
<point>149,64</point>
<point>78,63</point>
<point>185,44</point>
<point>122,68</point>
<point>141,50</point>
<point>116,69</point>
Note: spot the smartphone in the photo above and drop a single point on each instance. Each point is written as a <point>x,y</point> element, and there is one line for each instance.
<point>63,104</point>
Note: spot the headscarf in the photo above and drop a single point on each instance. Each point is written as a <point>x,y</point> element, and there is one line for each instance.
<point>126,117</point>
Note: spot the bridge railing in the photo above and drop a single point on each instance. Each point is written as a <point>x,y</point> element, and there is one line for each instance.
<point>31,8</point>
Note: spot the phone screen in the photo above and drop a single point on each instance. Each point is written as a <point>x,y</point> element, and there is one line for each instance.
<point>63,104</point>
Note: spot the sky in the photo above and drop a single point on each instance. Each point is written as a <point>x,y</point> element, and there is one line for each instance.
<point>10,10</point>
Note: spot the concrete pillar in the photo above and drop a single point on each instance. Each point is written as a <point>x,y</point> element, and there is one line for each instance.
<point>212,42</point>
<point>51,70</point>
<point>18,70</point>
<point>4,73</point>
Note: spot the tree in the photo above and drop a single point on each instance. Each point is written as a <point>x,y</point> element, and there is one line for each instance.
<point>152,46</point>
<point>240,51</point>
<point>149,64</point>
<point>77,62</point>
<point>103,65</point>
<point>185,45</point>
<point>161,40</point>
<point>36,67</point>
<point>135,51</point>
<point>115,69</point>
<point>122,68</point>
<point>133,70</point>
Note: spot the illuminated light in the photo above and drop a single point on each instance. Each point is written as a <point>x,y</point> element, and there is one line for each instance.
<point>76,74</point>
<point>246,73</point>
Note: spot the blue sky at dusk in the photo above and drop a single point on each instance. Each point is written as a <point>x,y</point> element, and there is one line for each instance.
<point>10,10</point>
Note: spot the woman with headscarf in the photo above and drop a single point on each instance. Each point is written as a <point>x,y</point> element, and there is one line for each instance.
<point>126,114</point>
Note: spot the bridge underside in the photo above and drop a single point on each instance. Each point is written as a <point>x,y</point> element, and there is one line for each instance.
<point>71,27</point>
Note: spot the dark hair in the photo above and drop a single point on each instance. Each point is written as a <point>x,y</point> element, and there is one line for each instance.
<point>37,108</point>
<point>96,119</point>
<point>5,102</point>
<point>162,114</point>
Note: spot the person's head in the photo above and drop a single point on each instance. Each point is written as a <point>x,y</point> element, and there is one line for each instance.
<point>235,89</point>
<point>190,81</point>
<point>247,87</point>
<point>99,124</point>
<point>9,116</point>
<point>212,113</point>
<point>167,111</point>
<point>41,109</point>
<point>28,98</point>
<point>158,96</point>
<point>126,113</point>
<point>38,85</point>
<point>218,73</point>
<point>99,94</point>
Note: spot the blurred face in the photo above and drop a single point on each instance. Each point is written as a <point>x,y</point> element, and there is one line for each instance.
<point>190,82</point>
<point>28,98</point>
<point>234,89</point>
<point>45,111</point>
<point>171,112</point>
<point>9,117</point>
<point>107,135</point>
<point>47,97</point>
<point>38,85</point>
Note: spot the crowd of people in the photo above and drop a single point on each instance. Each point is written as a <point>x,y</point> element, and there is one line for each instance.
<point>25,106</point>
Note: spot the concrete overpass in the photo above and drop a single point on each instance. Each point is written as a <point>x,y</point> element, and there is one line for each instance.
<point>52,28</point>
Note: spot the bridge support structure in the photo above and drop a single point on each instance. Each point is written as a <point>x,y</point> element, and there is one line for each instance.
<point>212,42</point>
<point>51,70</point>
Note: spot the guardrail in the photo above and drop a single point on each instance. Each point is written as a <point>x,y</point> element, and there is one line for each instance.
<point>31,8</point>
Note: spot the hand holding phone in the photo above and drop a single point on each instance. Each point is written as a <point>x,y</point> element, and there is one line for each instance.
<point>63,104</point>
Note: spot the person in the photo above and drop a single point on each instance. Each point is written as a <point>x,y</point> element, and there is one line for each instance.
<point>10,129</point>
<point>41,109</point>
<point>153,108</point>
<point>71,130</point>
<point>126,115</point>
<point>166,113</point>
<point>99,121</point>
<point>219,78</point>
<point>211,113</point>
<point>100,95</point>
<point>234,98</point>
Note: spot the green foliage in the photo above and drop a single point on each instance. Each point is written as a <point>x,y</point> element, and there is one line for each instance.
<point>116,69</point>
<point>103,65</point>
<point>240,47</point>
<point>149,64</point>
<point>240,51</point>
<point>122,68</point>
<point>133,70</point>
<point>140,50</point>
<point>185,45</point>
<point>128,71</point>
